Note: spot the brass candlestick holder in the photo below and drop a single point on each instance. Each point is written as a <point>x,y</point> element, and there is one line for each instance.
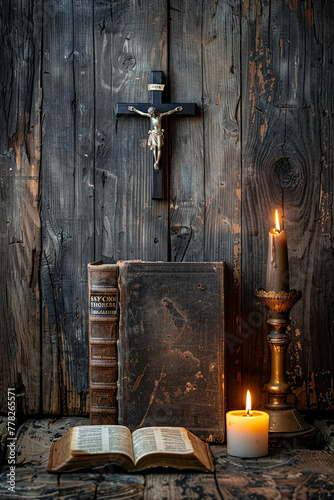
<point>282,417</point>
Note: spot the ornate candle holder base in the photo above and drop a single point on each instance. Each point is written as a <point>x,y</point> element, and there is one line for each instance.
<point>287,422</point>
<point>282,417</point>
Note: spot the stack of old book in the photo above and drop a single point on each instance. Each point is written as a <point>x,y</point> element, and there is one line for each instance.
<point>156,334</point>
<point>157,345</point>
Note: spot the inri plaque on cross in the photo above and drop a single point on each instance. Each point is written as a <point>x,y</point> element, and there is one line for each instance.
<point>156,110</point>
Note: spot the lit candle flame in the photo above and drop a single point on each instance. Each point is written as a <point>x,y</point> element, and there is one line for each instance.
<point>248,404</point>
<point>277,225</point>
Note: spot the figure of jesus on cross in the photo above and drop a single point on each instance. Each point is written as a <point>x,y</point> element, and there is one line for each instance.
<point>156,134</point>
<point>156,110</point>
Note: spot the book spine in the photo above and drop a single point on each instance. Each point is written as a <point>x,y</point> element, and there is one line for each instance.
<point>103,334</point>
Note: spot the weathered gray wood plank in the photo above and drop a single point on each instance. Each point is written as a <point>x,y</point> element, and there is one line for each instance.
<point>121,487</point>
<point>129,225</point>
<point>3,437</point>
<point>65,65</point>
<point>30,482</point>
<point>181,486</point>
<point>34,438</point>
<point>94,486</point>
<point>19,188</point>
<point>67,208</point>
<point>286,165</point>
<point>324,432</point>
<point>282,474</point>
<point>187,199</point>
<point>36,483</point>
<point>222,163</point>
<point>321,317</point>
<point>105,174</point>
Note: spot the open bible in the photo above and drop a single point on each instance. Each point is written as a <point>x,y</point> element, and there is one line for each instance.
<point>96,445</point>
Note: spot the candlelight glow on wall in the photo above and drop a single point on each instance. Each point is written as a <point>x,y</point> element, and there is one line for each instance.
<point>247,432</point>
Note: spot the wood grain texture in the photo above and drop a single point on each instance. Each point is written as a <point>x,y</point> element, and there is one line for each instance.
<point>19,187</point>
<point>287,163</point>
<point>129,225</point>
<point>114,486</point>
<point>34,438</point>
<point>282,474</point>
<point>324,433</point>
<point>181,486</point>
<point>187,199</point>
<point>75,181</point>
<point>105,180</point>
<point>3,437</point>
<point>35,483</point>
<point>222,163</point>
<point>67,209</point>
<point>31,482</point>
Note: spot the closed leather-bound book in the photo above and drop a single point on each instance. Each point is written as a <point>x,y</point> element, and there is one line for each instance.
<point>171,346</point>
<point>103,334</point>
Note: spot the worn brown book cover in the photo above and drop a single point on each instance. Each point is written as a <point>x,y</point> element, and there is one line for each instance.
<point>103,333</point>
<point>171,346</point>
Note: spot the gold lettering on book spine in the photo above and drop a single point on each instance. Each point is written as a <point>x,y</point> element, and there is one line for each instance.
<point>104,305</point>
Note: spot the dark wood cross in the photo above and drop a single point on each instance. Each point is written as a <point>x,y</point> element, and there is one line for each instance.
<point>156,110</point>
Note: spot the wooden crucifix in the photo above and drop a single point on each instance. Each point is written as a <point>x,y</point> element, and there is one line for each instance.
<point>156,110</point>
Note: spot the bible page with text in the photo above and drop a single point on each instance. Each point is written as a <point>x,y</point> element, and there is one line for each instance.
<point>95,439</point>
<point>150,440</point>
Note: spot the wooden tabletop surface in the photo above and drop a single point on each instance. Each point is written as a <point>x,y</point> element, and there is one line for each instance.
<point>292,470</point>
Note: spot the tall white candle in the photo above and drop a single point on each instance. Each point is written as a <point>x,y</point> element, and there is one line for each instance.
<point>277,278</point>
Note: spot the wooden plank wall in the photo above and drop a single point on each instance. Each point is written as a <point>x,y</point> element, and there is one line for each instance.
<point>75,179</point>
<point>20,249</point>
<point>287,150</point>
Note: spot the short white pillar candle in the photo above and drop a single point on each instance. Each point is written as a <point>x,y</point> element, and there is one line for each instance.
<point>247,435</point>
<point>247,432</point>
